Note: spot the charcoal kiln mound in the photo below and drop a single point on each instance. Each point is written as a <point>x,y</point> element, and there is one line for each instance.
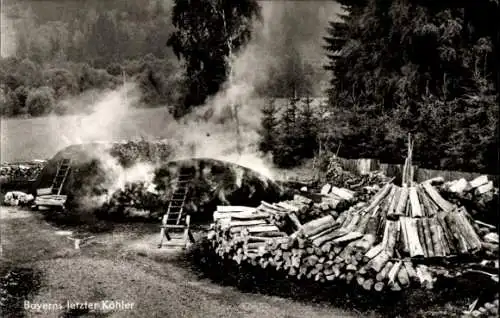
<point>90,174</point>
<point>92,188</point>
<point>217,182</point>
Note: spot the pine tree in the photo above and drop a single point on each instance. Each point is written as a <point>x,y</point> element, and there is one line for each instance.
<point>307,130</point>
<point>423,67</point>
<point>285,152</point>
<point>269,128</point>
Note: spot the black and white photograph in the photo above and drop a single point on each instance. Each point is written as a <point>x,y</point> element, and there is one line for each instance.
<point>250,158</point>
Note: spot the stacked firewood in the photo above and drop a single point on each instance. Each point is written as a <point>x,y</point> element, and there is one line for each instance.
<point>378,245</point>
<point>478,195</point>
<point>303,209</point>
<point>26,171</point>
<point>340,177</point>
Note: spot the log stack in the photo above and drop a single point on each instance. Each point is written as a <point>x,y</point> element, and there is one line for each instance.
<point>285,214</point>
<point>377,246</point>
<point>384,244</point>
<point>23,171</point>
<point>479,196</point>
<point>336,175</point>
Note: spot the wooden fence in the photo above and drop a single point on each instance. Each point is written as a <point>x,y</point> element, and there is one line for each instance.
<point>363,166</point>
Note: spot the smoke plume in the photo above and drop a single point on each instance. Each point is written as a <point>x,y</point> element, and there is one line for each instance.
<point>227,127</point>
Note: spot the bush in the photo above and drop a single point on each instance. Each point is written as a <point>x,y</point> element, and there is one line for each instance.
<point>40,101</point>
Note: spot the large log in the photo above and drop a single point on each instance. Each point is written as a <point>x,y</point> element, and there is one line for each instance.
<point>234,208</point>
<point>437,245</point>
<point>479,181</point>
<point>379,196</point>
<point>295,220</point>
<point>415,203</point>
<point>384,272</point>
<point>392,235</point>
<point>240,215</point>
<point>379,261</point>
<point>366,242</point>
<point>424,276</point>
<point>392,275</point>
<point>349,237</point>
<point>322,228</point>
<point>404,236</point>
<point>288,206</point>
<point>314,224</point>
<point>246,223</point>
<point>484,188</point>
<point>262,228</point>
<point>442,203</point>
<point>342,193</point>
<point>393,199</point>
<point>403,278</point>
<point>470,234</point>
<point>410,270</point>
<point>447,241</point>
<point>452,224</point>
<point>402,202</point>
<point>374,251</point>
<point>323,233</point>
<point>328,237</point>
<point>352,224</point>
<point>421,236</point>
<point>413,241</point>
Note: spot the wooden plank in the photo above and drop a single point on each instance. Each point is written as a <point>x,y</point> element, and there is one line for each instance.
<point>401,205</point>
<point>442,203</point>
<point>415,204</point>
<point>247,223</point>
<point>234,208</point>
<point>479,181</point>
<point>415,247</point>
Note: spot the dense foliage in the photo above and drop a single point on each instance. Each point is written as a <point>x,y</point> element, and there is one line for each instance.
<point>290,132</point>
<point>420,67</point>
<point>36,89</point>
<point>207,33</point>
<point>63,51</point>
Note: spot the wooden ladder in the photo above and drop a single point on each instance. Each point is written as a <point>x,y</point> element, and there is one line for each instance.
<point>173,217</point>
<point>61,175</point>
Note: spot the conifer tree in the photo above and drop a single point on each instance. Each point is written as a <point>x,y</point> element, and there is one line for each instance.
<point>269,128</point>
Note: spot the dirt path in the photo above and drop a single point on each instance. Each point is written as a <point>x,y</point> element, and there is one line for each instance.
<point>122,266</point>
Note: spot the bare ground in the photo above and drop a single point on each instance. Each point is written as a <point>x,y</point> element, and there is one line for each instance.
<point>124,264</point>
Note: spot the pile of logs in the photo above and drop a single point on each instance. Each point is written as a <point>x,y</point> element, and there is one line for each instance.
<point>478,195</point>
<point>337,176</point>
<point>378,245</point>
<point>301,209</point>
<point>25,171</point>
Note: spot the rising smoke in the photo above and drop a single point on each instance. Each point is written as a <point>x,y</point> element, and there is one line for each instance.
<point>285,26</point>
<point>211,130</point>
